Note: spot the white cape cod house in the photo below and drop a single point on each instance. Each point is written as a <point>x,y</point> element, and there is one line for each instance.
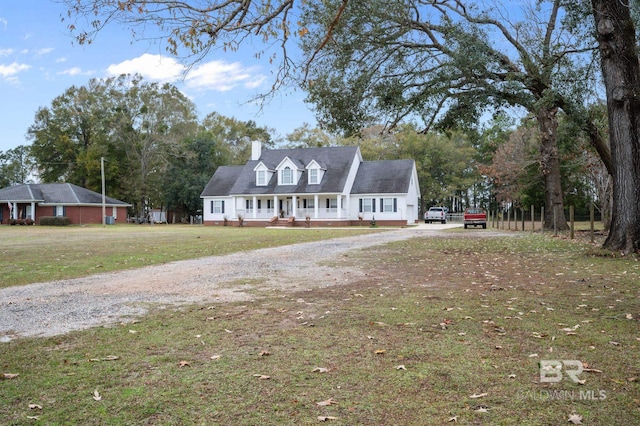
<point>329,186</point>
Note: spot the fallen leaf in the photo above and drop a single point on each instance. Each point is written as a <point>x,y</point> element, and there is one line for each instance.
<point>96,395</point>
<point>628,316</point>
<point>34,406</point>
<point>228,331</point>
<point>327,402</point>
<point>576,419</point>
<point>262,376</point>
<point>453,419</point>
<point>33,417</point>
<point>380,352</point>
<point>533,355</point>
<point>215,357</point>
<point>400,367</point>
<point>107,358</point>
<point>132,331</point>
<point>265,353</point>
<point>320,370</point>
<point>481,410</point>
<point>480,395</point>
<point>326,418</point>
<point>8,376</point>
<point>591,370</point>
<point>512,376</point>
<point>184,364</point>
<point>615,343</point>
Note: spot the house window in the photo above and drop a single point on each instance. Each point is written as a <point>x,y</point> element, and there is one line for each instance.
<point>249,204</point>
<point>367,205</point>
<point>59,211</point>
<point>217,206</point>
<point>332,203</point>
<point>287,176</point>
<point>313,176</point>
<point>309,203</point>
<point>262,177</point>
<point>388,205</point>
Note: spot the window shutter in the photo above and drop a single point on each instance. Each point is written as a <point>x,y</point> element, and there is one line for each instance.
<point>64,211</point>
<point>259,204</point>
<point>360,205</point>
<point>222,206</point>
<point>395,205</point>
<point>373,205</point>
<point>327,203</point>
<point>211,206</point>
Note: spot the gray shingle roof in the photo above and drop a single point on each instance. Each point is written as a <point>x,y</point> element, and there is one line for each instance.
<point>222,181</point>
<point>383,177</point>
<point>392,176</point>
<point>55,193</point>
<point>336,160</point>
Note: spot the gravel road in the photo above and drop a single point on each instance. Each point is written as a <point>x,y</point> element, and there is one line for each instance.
<point>57,307</point>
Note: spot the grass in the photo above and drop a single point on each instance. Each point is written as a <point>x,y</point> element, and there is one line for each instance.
<point>71,252</point>
<point>442,328</point>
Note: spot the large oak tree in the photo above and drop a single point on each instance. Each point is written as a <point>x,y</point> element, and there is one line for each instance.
<point>533,67</point>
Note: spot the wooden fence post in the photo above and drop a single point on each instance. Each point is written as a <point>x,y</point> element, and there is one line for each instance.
<point>572,231</point>
<point>533,219</point>
<point>592,219</point>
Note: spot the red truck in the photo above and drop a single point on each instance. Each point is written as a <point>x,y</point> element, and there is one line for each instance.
<point>475,217</point>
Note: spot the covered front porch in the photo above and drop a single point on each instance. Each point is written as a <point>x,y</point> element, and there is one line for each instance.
<point>15,210</point>
<point>312,207</point>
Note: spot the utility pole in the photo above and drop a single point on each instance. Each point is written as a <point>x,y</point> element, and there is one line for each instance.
<point>104,209</point>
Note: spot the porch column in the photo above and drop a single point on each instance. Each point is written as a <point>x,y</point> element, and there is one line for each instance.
<point>339,205</point>
<point>315,206</point>
<point>255,207</point>
<point>33,210</point>
<point>276,211</point>
<point>294,202</point>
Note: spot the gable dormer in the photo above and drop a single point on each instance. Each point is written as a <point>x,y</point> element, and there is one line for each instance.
<point>288,172</point>
<point>263,174</point>
<point>315,173</point>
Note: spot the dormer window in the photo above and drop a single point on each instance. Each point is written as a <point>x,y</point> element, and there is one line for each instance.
<point>261,179</point>
<point>287,176</point>
<point>313,176</point>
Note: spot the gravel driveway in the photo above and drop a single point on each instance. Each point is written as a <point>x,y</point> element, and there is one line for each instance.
<point>57,307</point>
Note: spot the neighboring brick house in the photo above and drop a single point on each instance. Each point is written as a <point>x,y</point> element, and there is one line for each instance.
<point>80,205</point>
<point>314,187</point>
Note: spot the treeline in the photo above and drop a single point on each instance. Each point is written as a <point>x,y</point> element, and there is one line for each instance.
<point>158,154</point>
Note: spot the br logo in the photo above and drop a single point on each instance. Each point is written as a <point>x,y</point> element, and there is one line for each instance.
<point>551,370</point>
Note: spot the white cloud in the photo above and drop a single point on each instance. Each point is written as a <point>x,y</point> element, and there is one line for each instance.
<point>75,71</point>
<point>9,72</point>
<point>223,76</point>
<point>44,51</point>
<point>219,76</point>
<point>6,52</point>
<point>4,22</point>
<point>153,67</point>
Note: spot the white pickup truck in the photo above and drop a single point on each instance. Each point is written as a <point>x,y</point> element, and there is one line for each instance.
<point>436,214</point>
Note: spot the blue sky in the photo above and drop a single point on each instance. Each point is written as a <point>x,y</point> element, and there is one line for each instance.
<point>39,61</point>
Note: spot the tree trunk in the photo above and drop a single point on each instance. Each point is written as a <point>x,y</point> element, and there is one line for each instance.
<point>621,72</point>
<point>550,165</point>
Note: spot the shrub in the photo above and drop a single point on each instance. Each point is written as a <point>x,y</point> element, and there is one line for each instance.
<point>55,221</point>
<point>20,221</point>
